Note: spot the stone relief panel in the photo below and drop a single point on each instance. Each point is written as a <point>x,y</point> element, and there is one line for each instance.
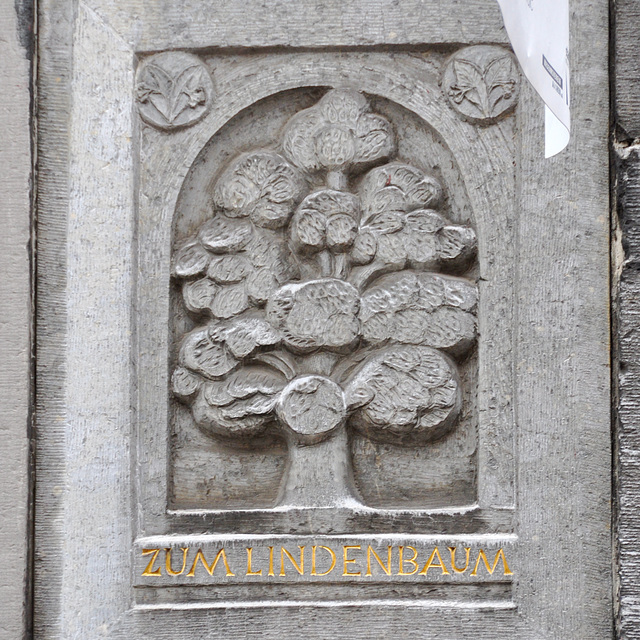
<point>324,312</point>
<point>421,505</point>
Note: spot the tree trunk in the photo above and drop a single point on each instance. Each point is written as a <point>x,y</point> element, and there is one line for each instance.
<point>319,475</point>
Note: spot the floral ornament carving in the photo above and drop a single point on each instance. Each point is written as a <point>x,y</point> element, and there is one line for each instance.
<point>481,82</point>
<point>324,303</point>
<point>173,89</point>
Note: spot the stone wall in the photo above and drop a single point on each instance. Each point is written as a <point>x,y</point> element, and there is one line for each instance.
<point>16,223</point>
<point>625,79</point>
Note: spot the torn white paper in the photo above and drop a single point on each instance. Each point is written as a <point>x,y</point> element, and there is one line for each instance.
<point>539,34</point>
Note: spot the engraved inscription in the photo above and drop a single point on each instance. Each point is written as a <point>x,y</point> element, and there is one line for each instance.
<point>328,291</point>
<point>481,82</point>
<point>173,90</point>
<point>329,561</point>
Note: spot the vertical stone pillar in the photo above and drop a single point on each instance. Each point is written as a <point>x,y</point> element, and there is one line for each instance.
<point>16,51</point>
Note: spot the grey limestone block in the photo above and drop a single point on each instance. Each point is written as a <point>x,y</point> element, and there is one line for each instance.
<point>625,254</point>
<point>323,341</point>
<point>625,16</point>
<point>16,41</point>
<point>626,405</point>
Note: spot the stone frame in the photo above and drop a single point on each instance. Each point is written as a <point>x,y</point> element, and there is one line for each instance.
<point>67,397</point>
<point>492,516</point>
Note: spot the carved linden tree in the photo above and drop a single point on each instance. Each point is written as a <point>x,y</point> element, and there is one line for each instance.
<point>321,301</point>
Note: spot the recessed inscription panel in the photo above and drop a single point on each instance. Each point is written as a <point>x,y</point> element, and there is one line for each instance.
<point>231,570</point>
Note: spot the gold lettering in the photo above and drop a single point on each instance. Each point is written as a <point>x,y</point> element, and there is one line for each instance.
<point>250,571</point>
<point>402,560</point>
<point>148,571</point>
<point>431,565</point>
<point>210,569</point>
<point>271,562</point>
<point>167,561</point>
<point>452,550</point>
<point>482,556</point>
<point>299,568</point>
<point>347,560</point>
<point>313,560</point>
<point>386,569</point>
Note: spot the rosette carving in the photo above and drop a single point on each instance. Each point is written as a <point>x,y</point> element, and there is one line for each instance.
<point>174,89</point>
<point>320,310</point>
<point>481,82</point>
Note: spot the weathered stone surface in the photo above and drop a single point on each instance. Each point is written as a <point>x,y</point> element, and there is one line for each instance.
<point>626,286</point>
<point>626,68</point>
<point>627,282</point>
<point>328,310</point>
<point>16,42</point>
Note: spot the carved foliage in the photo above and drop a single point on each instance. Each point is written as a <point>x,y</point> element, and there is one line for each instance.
<point>415,395</point>
<point>420,309</point>
<point>338,132</point>
<point>174,89</point>
<point>316,314</point>
<point>324,308</point>
<point>326,219</point>
<point>262,186</point>
<point>230,266</point>
<point>312,407</point>
<point>481,82</point>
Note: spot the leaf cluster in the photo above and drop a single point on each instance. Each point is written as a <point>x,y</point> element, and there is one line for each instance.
<point>281,273</point>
